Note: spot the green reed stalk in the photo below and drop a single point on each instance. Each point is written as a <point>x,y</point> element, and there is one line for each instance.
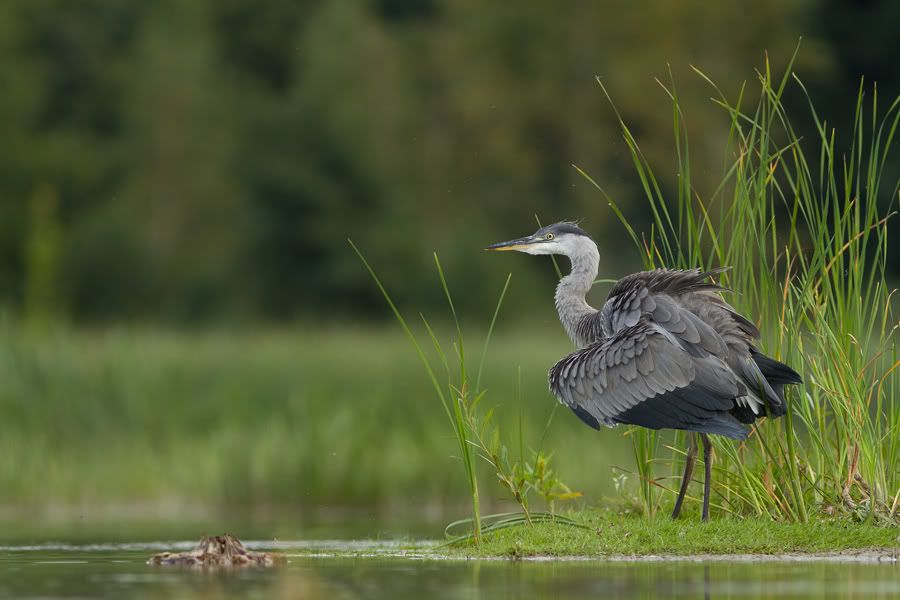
<point>456,393</point>
<point>475,432</point>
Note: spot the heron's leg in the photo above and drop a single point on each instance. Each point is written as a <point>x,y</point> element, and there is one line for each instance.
<point>707,465</point>
<point>688,471</point>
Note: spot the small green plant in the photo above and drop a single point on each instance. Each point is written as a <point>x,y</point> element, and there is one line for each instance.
<point>476,431</point>
<point>805,230</point>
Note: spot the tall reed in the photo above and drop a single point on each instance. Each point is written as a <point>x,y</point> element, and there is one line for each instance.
<point>804,224</point>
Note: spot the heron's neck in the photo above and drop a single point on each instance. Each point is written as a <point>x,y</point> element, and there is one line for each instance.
<point>572,289</point>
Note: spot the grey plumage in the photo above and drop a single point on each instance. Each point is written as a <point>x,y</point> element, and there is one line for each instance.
<point>641,375</point>
<point>664,351</point>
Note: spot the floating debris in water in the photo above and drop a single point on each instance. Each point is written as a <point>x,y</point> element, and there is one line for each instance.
<point>217,551</point>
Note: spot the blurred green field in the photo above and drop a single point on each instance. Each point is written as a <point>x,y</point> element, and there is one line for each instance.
<point>303,417</point>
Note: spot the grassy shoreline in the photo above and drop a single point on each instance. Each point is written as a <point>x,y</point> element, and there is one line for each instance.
<point>618,535</point>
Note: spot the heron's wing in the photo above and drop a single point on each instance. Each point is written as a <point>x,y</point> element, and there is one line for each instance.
<point>643,375</point>
<point>690,306</point>
<point>661,294</point>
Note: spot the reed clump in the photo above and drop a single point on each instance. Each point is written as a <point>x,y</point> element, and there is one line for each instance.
<point>804,223</point>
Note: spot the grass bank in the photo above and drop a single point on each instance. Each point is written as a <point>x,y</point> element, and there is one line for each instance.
<point>608,533</point>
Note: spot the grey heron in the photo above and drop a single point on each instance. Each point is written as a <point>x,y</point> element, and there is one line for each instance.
<point>665,351</point>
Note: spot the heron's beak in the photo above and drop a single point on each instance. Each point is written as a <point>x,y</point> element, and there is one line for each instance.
<point>517,244</point>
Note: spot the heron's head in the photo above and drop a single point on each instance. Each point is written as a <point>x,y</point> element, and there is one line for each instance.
<point>560,238</point>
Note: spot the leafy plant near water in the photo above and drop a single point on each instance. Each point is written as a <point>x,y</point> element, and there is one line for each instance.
<point>475,431</point>
<point>800,223</point>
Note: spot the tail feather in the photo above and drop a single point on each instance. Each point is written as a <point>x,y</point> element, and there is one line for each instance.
<point>776,372</point>
<point>777,375</point>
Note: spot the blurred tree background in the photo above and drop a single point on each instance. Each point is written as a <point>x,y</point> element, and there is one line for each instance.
<point>201,162</point>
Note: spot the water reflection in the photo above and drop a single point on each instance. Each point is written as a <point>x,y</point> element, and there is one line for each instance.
<point>109,572</point>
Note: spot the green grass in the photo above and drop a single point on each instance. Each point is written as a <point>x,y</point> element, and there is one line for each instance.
<point>610,533</point>
<point>301,417</point>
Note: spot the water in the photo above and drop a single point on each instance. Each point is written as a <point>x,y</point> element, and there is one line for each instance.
<point>377,569</point>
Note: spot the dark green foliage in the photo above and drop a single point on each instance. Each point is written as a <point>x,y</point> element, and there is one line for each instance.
<point>209,158</point>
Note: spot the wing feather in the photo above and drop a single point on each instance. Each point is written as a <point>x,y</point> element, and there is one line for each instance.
<point>644,376</point>
<point>686,304</point>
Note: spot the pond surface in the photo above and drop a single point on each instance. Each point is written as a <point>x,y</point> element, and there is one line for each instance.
<point>378,569</point>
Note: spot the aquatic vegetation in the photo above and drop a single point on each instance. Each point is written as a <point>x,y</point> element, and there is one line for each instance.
<point>805,227</point>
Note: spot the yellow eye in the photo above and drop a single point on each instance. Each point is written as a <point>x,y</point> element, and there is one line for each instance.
<point>549,236</point>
